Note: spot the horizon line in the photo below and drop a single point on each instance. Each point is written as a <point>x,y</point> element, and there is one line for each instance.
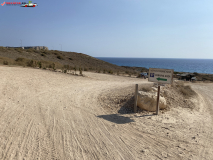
<point>155,58</point>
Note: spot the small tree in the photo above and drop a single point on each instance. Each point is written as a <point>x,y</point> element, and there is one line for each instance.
<point>80,69</point>
<point>53,65</point>
<point>40,64</point>
<point>75,69</point>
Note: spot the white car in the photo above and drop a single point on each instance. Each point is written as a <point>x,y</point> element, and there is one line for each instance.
<point>29,5</point>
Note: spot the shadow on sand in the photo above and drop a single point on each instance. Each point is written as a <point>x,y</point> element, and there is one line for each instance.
<point>125,109</point>
<point>115,118</point>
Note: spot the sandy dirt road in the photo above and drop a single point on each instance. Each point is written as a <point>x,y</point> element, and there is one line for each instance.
<point>48,115</point>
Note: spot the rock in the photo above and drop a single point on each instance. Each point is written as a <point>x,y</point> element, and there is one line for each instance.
<point>154,88</point>
<point>148,101</point>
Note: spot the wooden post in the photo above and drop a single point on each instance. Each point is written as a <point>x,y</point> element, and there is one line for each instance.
<point>157,106</point>
<point>136,98</point>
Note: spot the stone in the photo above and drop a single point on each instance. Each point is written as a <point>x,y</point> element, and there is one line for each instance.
<point>148,101</point>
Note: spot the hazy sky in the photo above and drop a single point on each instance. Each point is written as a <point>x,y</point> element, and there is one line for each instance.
<point>113,28</point>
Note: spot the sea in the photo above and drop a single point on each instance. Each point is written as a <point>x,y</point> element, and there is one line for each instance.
<point>179,65</point>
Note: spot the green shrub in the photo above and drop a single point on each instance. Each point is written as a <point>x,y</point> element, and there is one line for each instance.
<point>80,71</point>
<point>30,50</point>
<point>39,64</point>
<point>43,55</point>
<point>19,59</point>
<point>5,62</point>
<point>70,59</point>
<point>110,72</point>
<point>30,63</point>
<point>60,57</point>
<point>195,73</point>
<point>66,67</point>
<point>45,51</point>
<point>75,68</point>
<point>19,50</point>
<point>53,65</point>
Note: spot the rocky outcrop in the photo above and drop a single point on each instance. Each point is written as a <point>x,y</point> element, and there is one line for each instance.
<point>148,101</point>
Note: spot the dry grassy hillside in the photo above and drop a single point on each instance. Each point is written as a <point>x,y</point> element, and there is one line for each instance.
<point>59,60</point>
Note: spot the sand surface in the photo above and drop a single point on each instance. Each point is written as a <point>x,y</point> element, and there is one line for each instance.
<point>49,115</point>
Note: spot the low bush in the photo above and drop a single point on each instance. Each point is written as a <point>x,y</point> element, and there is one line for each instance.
<point>110,72</point>
<point>19,50</point>
<point>37,51</point>
<point>80,69</point>
<point>30,63</point>
<point>19,59</point>
<point>5,63</point>
<point>60,57</point>
<point>30,50</point>
<point>186,91</point>
<point>39,64</point>
<point>146,88</point>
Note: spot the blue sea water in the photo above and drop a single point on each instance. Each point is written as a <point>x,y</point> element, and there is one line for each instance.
<point>179,65</point>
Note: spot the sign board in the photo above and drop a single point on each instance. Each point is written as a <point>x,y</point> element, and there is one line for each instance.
<point>161,75</point>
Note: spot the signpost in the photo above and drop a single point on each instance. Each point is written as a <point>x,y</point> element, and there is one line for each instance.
<point>161,76</point>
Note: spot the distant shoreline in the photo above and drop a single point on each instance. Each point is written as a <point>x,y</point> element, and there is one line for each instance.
<point>204,66</point>
<point>155,58</point>
<point>163,68</point>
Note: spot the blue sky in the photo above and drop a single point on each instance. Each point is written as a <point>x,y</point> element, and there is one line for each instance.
<point>113,28</point>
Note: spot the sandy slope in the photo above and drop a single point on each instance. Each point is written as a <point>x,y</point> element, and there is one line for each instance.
<point>49,115</point>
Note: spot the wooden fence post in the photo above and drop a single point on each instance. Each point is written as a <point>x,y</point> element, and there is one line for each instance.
<point>157,106</point>
<point>136,98</point>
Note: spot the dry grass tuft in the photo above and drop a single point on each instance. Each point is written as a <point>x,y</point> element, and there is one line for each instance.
<point>147,88</point>
<point>185,90</point>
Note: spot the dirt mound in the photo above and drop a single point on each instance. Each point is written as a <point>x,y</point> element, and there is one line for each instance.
<point>180,95</point>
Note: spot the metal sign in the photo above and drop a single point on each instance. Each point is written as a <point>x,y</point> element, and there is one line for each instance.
<point>161,75</point>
